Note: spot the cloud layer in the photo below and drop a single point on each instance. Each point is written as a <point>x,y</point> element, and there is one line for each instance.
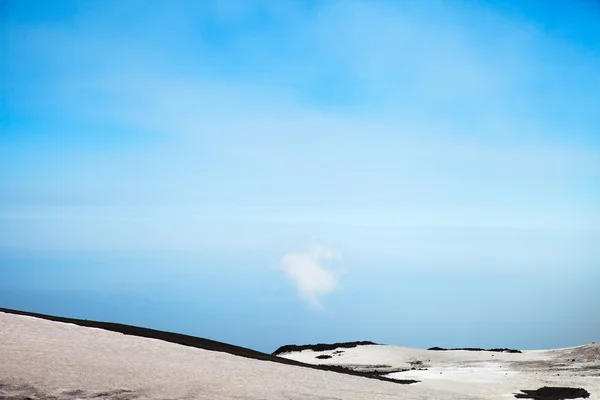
<point>308,271</point>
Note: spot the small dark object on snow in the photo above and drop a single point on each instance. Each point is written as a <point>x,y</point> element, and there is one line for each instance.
<point>323,356</point>
<point>553,393</point>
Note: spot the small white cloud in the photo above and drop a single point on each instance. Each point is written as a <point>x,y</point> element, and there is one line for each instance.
<point>312,279</point>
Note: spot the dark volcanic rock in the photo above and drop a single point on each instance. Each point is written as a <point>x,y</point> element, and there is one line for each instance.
<point>323,356</point>
<point>498,350</point>
<point>553,393</point>
<point>319,347</point>
<point>505,350</point>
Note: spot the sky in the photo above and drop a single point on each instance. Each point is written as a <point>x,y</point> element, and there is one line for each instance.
<point>418,173</point>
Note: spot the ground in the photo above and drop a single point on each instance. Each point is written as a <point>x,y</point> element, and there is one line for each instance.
<point>50,360</point>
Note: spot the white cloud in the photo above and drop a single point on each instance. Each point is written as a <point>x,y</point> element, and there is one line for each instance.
<point>312,278</point>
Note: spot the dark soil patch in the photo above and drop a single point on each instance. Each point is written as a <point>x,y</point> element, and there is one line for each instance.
<point>319,347</point>
<point>505,350</point>
<point>553,393</point>
<point>207,344</point>
<point>498,350</point>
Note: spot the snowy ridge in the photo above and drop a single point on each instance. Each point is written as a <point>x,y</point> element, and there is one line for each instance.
<point>202,343</point>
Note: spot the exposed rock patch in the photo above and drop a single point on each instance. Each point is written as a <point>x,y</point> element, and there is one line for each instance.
<point>553,393</point>
<point>319,347</point>
<point>498,350</point>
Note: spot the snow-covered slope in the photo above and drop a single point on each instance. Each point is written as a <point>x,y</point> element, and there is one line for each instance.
<point>483,373</point>
<point>46,360</point>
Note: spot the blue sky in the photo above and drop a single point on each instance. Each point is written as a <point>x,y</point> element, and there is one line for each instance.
<point>419,173</point>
